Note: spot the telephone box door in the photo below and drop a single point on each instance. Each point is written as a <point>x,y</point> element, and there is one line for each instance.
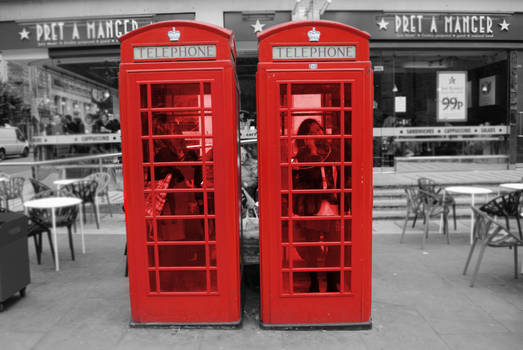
<point>317,251</point>
<point>185,254</point>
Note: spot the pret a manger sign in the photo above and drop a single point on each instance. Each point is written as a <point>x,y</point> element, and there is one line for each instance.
<point>173,52</point>
<point>314,52</point>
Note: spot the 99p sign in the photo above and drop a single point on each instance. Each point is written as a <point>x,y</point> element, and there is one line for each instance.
<point>452,96</point>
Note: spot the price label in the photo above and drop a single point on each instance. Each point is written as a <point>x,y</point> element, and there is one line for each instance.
<point>452,93</point>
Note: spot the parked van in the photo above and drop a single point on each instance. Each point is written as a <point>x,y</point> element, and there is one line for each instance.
<point>12,142</point>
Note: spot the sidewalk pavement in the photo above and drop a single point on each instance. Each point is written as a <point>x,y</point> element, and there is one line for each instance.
<point>420,301</point>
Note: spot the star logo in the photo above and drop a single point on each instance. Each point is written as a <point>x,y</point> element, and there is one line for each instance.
<point>452,80</point>
<point>24,34</point>
<point>504,26</point>
<point>382,24</point>
<point>258,27</point>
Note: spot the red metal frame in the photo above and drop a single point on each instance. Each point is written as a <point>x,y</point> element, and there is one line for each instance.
<point>180,160</point>
<point>298,245</point>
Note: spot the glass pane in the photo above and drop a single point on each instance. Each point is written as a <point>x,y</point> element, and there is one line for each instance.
<point>183,281</point>
<point>348,204</point>
<point>348,177</point>
<point>348,150</point>
<point>178,176</point>
<point>284,124</point>
<point>348,94</point>
<point>211,224</point>
<point>315,178</point>
<point>207,99</point>
<point>283,95</point>
<point>178,123</point>
<point>284,231</point>
<point>149,227</point>
<point>348,230</point>
<point>208,124</point>
<point>315,95</point>
<point>214,281</point>
<point>310,282</point>
<point>285,257</point>
<point>145,123</point>
<point>284,151</point>
<point>182,203</point>
<point>175,95</point>
<point>310,149</point>
<point>181,255</point>
<point>177,150</point>
<point>348,122</point>
<point>180,230</point>
<point>143,96</point>
<point>316,231</point>
<point>150,256</point>
<point>315,256</point>
<point>347,260</point>
<point>146,174</point>
<point>284,177</point>
<point>315,204</point>
<point>145,151</point>
<point>284,205</point>
<point>210,202</point>
<point>212,255</point>
<point>333,281</point>
<point>152,281</point>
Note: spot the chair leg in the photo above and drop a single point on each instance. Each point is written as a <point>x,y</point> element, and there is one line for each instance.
<point>454,216</point>
<point>38,248</point>
<point>71,246</point>
<point>95,208</point>
<point>126,261</point>
<point>480,257</point>
<point>425,234</point>
<point>414,221</point>
<point>515,261</point>
<point>446,226</point>
<point>108,203</point>
<point>83,209</point>
<point>51,246</point>
<point>405,226</point>
<point>470,256</point>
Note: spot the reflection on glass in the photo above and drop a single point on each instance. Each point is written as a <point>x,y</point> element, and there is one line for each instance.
<point>347,276</point>
<point>145,151</point>
<point>175,95</point>
<point>181,255</point>
<point>348,204</point>
<point>284,205</point>
<point>212,255</point>
<point>348,177</point>
<point>285,278</point>
<point>315,95</point>
<point>284,177</point>
<point>284,231</point>
<point>348,230</point>
<point>183,281</point>
<point>179,123</point>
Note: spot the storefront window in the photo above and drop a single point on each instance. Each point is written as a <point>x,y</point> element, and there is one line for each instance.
<point>409,91</point>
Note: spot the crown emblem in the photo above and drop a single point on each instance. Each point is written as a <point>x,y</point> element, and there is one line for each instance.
<point>174,35</point>
<point>313,34</point>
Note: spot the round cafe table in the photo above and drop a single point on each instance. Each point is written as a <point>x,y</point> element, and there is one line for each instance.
<point>54,203</point>
<point>513,186</point>
<point>472,191</point>
<point>64,182</point>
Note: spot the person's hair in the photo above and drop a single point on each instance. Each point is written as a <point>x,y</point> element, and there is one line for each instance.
<point>305,129</point>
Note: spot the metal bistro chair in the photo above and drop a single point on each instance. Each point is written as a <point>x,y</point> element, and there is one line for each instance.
<point>36,230</point>
<point>430,185</point>
<point>11,189</point>
<point>414,206</point>
<point>507,205</point>
<point>38,186</point>
<point>429,205</point>
<point>102,190</point>
<point>489,233</point>
<point>65,217</point>
<point>86,191</point>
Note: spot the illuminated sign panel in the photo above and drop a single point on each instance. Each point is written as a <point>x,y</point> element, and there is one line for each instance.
<point>314,52</point>
<point>173,52</point>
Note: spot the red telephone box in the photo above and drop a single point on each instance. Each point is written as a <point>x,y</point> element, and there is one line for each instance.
<point>179,107</point>
<point>314,88</point>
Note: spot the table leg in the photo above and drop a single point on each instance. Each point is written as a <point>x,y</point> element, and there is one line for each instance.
<point>472,221</point>
<point>55,240</point>
<point>82,227</point>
